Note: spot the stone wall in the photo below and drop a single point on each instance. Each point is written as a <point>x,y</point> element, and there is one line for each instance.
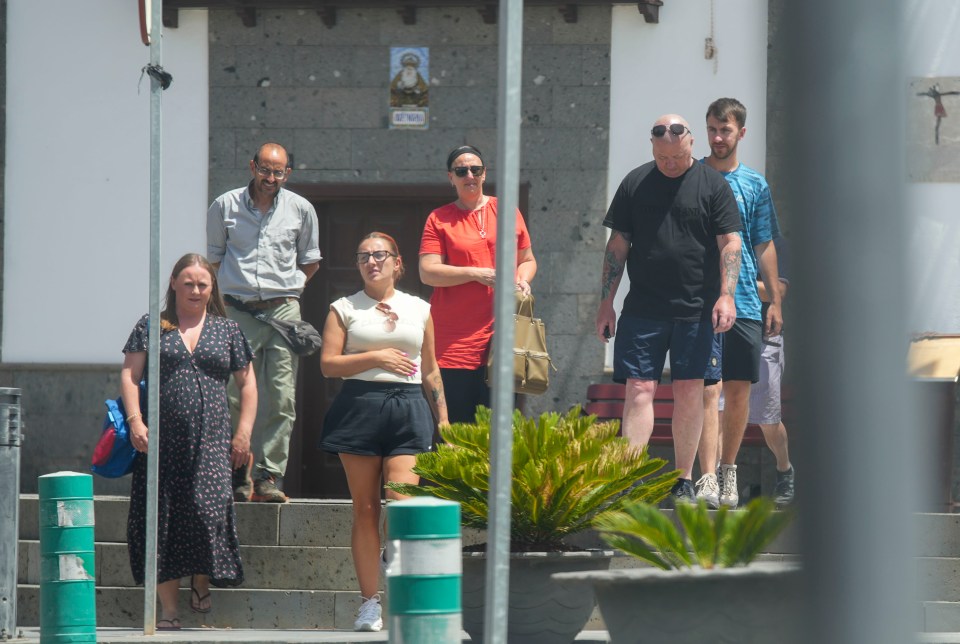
<point>323,92</point>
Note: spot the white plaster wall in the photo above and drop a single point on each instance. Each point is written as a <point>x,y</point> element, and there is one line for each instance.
<point>77,192</point>
<point>933,49</point>
<point>660,68</point>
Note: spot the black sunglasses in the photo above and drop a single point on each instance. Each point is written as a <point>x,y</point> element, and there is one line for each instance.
<point>461,171</point>
<point>677,129</point>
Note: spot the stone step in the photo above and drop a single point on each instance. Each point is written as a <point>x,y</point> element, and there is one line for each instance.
<point>244,636</point>
<point>232,608</point>
<point>938,578</point>
<point>316,523</point>
<point>941,616</point>
<point>266,567</point>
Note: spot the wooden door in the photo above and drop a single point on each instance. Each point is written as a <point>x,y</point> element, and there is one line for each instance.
<point>344,219</point>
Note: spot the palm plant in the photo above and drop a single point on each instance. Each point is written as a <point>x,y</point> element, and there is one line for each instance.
<point>567,471</point>
<point>724,540</point>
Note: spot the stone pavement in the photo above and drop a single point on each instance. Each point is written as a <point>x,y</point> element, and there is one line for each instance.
<point>249,636</point>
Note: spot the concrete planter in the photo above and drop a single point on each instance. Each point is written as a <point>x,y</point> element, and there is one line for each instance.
<point>757,603</point>
<point>539,610</point>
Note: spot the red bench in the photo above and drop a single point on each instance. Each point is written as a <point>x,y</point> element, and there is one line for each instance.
<point>606,402</point>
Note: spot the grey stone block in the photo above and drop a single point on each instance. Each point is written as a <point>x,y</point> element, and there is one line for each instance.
<point>538,24</point>
<point>578,190</point>
<point>371,145</point>
<point>463,66</point>
<point>355,66</point>
<point>305,27</point>
<point>232,608</point>
<point>938,535</point>
<point>941,617</point>
<point>551,231</point>
<point>573,271</point>
<point>560,314</point>
<point>581,106</point>
<point>536,106</point>
<point>356,108</point>
<point>298,568</point>
<point>553,148</point>
<point>463,107</point>
<point>594,148</point>
<point>315,524</point>
<point>258,524</point>
<point>595,65</point>
<point>265,65</point>
<point>225,27</point>
<point>298,107</point>
<point>223,149</point>
<point>552,65</point>
<point>238,107</point>
<point>938,578</point>
<point>222,65</point>
<point>592,27</point>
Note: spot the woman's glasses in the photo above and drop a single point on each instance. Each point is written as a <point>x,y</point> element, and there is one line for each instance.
<point>377,255</point>
<point>461,171</point>
<point>390,324</point>
<point>676,129</point>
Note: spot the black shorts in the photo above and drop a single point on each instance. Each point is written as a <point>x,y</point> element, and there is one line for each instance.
<point>464,389</point>
<point>742,346</point>
<point>378,419</point>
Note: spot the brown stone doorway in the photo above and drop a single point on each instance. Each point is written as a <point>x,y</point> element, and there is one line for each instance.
<point>346,212</point>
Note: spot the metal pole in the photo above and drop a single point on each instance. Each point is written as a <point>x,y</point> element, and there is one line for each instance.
<point>10,440</point>
<point>153,352</point>
<point>501,438</point>
<point>846,125</point>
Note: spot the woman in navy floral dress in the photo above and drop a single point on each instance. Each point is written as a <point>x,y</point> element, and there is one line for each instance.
<point>200,348</point>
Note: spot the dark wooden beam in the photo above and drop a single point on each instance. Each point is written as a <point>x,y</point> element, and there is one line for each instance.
<point>171,17</point>
<point>248,16</point>
<point>488,12</point>
<point>329,16</point>
<point>650,10</point>
<point>569,12</point>
<point>409,14</point>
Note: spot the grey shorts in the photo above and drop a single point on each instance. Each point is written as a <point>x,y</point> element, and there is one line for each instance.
<point>765,394</point>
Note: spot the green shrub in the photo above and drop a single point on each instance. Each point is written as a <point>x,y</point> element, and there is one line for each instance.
<point>723,539</point>
<point>567,471</point>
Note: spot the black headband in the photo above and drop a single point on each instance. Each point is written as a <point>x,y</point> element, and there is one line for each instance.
<point>463,149</point>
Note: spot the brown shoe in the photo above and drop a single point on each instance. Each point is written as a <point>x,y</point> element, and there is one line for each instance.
<point>265,490</point>
<point>242,482</point>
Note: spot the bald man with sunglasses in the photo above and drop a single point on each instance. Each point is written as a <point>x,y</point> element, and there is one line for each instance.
<point>675,229</point>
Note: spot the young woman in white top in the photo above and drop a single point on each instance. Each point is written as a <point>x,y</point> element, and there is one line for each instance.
<point>380,341</point>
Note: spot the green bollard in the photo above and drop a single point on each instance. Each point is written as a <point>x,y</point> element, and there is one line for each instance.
<point>68,607</point>
<point>424,571</point>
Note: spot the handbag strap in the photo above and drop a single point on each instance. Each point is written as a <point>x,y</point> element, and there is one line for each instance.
<point>525,305</point>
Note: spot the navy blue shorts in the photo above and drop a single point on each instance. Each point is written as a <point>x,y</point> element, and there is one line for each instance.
<point>378,419</point>
<point>740,348</point>
<point>641,345</point>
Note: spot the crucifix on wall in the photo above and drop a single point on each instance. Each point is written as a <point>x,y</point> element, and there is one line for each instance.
<point>938,110</point>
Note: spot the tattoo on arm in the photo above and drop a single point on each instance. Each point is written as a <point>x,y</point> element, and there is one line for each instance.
<point>730,262</point>
<point>436,393</point>
<point>612,266</point>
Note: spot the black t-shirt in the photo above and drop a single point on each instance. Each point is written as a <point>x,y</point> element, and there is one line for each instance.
<point>674,262</point>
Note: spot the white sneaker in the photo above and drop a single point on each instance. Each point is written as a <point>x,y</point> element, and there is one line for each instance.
<point>369,616</point>
<point>728,490</point>
<point>708,491</point>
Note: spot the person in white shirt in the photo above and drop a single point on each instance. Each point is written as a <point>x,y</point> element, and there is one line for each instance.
<point>381,342</point>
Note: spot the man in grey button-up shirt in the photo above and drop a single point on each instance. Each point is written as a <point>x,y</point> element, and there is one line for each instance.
<point>263,241</point>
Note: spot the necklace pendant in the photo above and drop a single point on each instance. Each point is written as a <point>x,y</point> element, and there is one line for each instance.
<point>483,234</point>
